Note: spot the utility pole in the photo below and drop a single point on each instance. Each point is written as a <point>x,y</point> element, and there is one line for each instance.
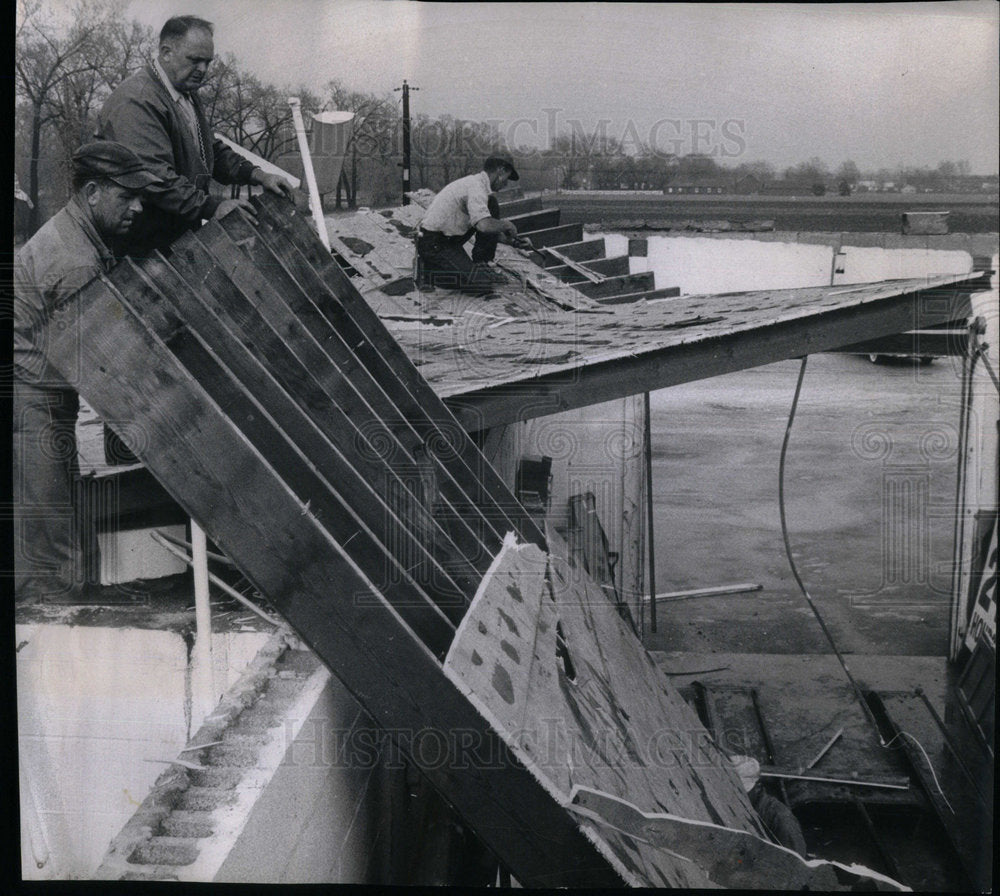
<point>406,138</point>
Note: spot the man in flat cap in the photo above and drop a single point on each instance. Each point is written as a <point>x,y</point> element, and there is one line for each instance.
<point>464,208</point>
<point>156,113</point>
<point>66,253</point>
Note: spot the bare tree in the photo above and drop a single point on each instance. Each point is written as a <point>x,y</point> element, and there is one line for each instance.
<point>373,135</point>
<point>64,70</point>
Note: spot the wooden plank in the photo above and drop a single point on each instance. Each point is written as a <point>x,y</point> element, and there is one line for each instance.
<point>605,267</point>
<point>520,206</point>
<point>357,412</point>
<point>222,481</point>
<point>616,266</point>
<point>585,273</point>
<point>614,286</point>
<point>584,250</point>
<point>544,656</point>
<point>292,240</point>
<point>668,292</point>
<point>527,222</point>
<point>554,292</point>
<point>593,541</point>
<point>343,491</point>
<point>697,337</point>
<point>556,236</point>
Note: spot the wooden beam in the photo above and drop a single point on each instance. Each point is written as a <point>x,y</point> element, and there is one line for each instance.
<point>556,236</point>
<point>291,238</point>
<point>285,549</point>
<point>616,266</point>
<point>573,272</point>
<point>922,343</point>
<point>614,286</point>
<point>668,292</point>
<point>584,250</point>
<point>704,356</point>
<point>320,454</point>
<point>520,206</point>
<point>354,411</point>
<point>576,267</point>
<point>542,219</point>
<point>262,432</point>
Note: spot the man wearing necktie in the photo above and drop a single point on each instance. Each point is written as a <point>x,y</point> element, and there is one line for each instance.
<point>156,113</point>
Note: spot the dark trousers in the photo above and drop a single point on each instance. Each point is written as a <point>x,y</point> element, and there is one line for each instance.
<point>48,526</point>
<point>442,261</point>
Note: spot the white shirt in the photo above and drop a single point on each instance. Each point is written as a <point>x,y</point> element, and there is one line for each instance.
<point>459,206</point>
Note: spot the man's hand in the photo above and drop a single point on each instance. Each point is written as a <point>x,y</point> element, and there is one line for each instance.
<point>273,183</point>
<point>508,232</point>
<point>227,205</point>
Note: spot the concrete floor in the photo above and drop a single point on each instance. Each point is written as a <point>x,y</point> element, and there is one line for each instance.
<point>870,491</point>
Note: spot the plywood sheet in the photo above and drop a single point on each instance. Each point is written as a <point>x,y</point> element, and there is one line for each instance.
<point>545,657</point>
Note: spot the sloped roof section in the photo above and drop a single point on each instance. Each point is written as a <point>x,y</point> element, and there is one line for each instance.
<point>539,346</point>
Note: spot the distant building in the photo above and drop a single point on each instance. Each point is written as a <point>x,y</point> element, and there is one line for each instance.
<point>700,185</point>
<point>788,187</point>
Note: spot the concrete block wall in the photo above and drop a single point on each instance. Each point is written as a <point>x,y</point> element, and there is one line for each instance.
<point>713,263</point>
<point>284,782</point>
<point>317,820</point>
<point>95,707</point>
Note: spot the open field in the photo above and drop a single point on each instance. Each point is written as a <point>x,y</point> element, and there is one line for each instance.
<point>861,213</point>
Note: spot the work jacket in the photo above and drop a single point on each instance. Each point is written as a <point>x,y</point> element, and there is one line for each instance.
<point>142,114</point>
<point>63,256</point>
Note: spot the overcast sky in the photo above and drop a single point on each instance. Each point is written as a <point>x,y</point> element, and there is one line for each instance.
<point>880,84</point>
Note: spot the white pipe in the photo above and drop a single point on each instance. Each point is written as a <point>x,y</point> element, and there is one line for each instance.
<point>163,540</point>
<point>314,201</point>
<point>203,619</point>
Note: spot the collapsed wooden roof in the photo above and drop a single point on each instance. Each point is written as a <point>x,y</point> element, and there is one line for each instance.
<point>540,345</point>
<point>266,396</point>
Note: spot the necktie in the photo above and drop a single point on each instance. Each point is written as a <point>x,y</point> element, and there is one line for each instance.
<point>192,113</point>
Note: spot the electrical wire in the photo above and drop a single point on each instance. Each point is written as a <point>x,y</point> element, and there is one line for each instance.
<point>812,606</point>
<point>788,547</point>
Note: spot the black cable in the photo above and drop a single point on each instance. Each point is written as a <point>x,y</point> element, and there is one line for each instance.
<point>791,559</point>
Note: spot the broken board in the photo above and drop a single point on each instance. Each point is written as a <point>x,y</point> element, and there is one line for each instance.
<point>546,659</point>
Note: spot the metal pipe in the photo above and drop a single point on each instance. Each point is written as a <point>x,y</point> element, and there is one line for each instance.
<point>854,782</point>
<point>742,588</point>
<point>315,203</point>
<point>181,543</point>
<point>826,749</point>
<point>215,580</point>
<point>649,513</point>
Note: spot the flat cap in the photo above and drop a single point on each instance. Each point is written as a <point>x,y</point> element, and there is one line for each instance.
<point>116,162</point>
<point>503,159</point>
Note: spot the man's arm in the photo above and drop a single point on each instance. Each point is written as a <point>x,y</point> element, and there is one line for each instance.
<point>232,168</point>
<point>481,217</point>
<point>507,229</point>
